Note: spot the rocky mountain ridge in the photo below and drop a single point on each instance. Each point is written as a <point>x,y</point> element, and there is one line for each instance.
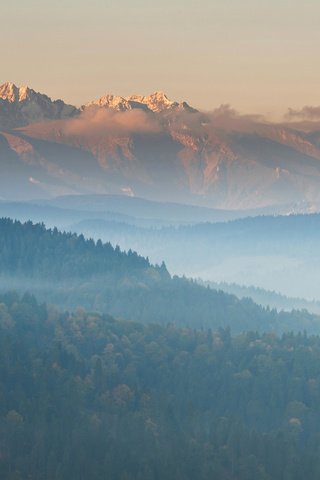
<point>152,147</point>
<point>21,106</point>
<point>155,102</point>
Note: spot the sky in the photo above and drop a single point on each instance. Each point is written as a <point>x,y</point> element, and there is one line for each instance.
<point>260,56</point>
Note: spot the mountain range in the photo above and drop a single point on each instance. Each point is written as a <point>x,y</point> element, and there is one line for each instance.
<point>152,147</point>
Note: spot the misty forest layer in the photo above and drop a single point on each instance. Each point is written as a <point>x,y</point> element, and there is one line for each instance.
<point>274,252</point>
<point>67,270</point>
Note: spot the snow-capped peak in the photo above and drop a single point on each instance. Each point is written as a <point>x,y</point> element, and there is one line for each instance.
<point>25,106</point>
<point>10,92</point>
<point>13,94</point>
<point>111,101</point>
<point>25,93</point>
<point>157,101</point>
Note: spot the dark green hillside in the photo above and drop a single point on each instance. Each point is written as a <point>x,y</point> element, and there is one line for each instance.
<point>83,396</point>
<point>34,251</point>
<point>70,271</point>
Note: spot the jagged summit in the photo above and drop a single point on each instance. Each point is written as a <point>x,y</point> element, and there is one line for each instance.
<point>155,102</point>
<point>14,95</point>
<point>10,92</point>
<point>111,101</point>
<point>20,106</point>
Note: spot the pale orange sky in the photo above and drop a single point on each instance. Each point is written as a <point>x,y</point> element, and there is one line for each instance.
<point>257,55</point>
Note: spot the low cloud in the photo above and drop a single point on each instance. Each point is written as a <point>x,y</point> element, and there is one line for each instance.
<point>96,122</point>
<point>107,122</point>
<point>306,113</point>
<point>228,118</point>
<point>222,118</point>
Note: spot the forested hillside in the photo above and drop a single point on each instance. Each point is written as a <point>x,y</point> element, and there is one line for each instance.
<point>69,271</point>
<point>85,396</point>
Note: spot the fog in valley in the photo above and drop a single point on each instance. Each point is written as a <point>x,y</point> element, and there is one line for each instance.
<point>230,253</point>
<point>272,252</point>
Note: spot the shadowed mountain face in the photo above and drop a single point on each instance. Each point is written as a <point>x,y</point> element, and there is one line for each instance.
<point>158,149</point>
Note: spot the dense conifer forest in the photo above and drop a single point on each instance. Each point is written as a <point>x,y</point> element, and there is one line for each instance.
<point>129,373</point>
<point>67,270</point>
<point>85,396</point>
